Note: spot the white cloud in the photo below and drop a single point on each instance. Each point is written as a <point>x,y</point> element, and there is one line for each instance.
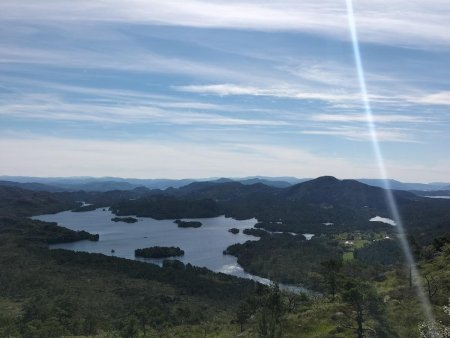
<point>362,118</point>
<point>363,134</point>
<point>279,92</point>
<point>440,98</point>
<point>127,107</point>
<point>413,22</point>
<point>100,95</point>
<point>323,72</point>
<point>117,58</point>
<point>340,98</point>
<point>86,35</point>
<point>54,108</point>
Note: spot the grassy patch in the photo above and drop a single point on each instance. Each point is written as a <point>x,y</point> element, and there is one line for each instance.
<point>348,256</point>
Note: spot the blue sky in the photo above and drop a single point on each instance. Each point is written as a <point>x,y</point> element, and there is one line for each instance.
<point>212,88</point>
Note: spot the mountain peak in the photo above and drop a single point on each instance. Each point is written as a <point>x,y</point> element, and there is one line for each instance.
<point>325,179</point>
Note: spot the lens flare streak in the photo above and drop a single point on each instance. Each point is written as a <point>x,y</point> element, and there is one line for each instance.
<point>392,204</point>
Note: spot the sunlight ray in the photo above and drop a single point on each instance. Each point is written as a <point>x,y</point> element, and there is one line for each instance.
<point>392,204</point>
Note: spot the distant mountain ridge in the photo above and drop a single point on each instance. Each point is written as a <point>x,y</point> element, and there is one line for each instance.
<point>313,203</point>
<point>32,186</point>
<point>324,189</point>
<point>223,191</point>
<point>397,185</point>
<point>305,207</point>
<point>113,183</point>
<point>103,184</point>
<point>350,193</point>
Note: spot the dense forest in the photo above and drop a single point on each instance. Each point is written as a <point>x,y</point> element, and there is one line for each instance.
<point>358,281</point>
<point>159,252</point>
<point>286,258</point>
<point>51,293</point>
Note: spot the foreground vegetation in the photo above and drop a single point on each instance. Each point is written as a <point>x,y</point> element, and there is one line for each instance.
<point>363,287</point>
<point>58,292</point>
<point>367,290</point>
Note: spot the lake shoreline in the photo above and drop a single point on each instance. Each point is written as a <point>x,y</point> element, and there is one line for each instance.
<point>119,239</point>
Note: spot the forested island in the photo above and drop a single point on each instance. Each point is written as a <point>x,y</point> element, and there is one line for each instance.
<point>188,224</point>
<point>159,252</point>
<point>234,231</point>
<point>124,219</point>
<point>255,232</point>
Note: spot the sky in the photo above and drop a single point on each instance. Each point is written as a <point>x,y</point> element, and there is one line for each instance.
<point>195,88</point>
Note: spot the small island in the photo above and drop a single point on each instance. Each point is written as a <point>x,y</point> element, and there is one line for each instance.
<point>188,224</point>
<point>124,219</point>
<point>256,232</point>
<point>159,252</point>
<point>234,231</point>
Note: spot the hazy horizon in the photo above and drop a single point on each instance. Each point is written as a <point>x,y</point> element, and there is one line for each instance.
<point>211,178</point>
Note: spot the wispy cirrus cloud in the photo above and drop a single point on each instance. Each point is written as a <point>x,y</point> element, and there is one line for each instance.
<point>392,118</point>
<point>116,106</point>
<point>362,134</point>
<point>415,23</point>
<point>440,98</point>
<point>112,58</point>
<point>340,95</point>
<point>227,89</point>
<point>51,108</point>
<point>23,89</point>
<point>56,108</point>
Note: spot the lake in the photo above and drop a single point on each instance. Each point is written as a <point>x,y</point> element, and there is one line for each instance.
<point>203,246</point>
